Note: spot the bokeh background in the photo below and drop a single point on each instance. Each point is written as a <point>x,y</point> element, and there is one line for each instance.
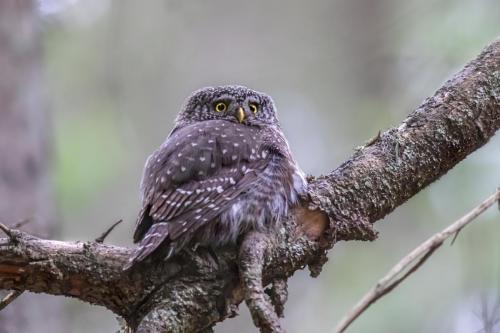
<point>115,73</point>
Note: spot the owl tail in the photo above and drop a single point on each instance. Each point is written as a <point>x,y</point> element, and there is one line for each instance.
<point>155,237</point>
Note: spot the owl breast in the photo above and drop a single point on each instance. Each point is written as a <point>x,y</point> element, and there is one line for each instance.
<point>277,188</point>
<point>213,181</point>
<point>267,202</point>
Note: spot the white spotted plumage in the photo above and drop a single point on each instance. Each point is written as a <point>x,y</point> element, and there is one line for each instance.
<point>220,176</point>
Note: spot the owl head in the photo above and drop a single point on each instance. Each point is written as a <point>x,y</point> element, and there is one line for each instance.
<point>232,103</point>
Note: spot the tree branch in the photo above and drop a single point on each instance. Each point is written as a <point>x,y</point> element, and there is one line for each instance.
<point>461,117</point>
<point>11,297</point>
<point>420,254</point>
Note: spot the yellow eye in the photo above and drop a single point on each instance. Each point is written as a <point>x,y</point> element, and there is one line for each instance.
<point>254,108</point>
<point>220,107</point>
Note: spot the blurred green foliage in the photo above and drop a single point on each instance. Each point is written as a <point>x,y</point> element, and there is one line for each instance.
<point>88,154</point>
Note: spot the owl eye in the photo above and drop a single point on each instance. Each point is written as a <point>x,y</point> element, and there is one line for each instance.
<point>254,108</point>
<point>220,107</point>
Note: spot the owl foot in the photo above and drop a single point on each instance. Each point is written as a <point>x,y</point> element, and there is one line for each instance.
<point>265,310</point>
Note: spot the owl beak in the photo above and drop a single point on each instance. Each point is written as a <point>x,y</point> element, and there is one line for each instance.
<point>240,114</point>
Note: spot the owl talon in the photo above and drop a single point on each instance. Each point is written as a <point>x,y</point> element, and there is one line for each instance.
<point>265,314</point>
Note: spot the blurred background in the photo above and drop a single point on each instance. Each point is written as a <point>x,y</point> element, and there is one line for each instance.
<point>89,88</point>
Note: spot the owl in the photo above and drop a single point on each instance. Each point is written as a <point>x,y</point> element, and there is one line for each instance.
<point>224,170</point>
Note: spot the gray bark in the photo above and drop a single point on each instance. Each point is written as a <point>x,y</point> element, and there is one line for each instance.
<point>188,294</point>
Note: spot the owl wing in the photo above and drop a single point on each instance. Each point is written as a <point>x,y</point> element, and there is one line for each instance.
<point>194,176</point>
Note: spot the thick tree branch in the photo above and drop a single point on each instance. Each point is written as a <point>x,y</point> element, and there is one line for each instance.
<point>461,117</point>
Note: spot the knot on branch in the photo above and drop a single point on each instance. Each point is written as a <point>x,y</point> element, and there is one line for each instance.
<point>342,225</point>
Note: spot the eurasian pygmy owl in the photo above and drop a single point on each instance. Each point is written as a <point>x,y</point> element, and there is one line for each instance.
<point>225,169</point>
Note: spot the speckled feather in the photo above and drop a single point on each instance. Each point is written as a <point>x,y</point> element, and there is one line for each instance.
<point>215,178</point>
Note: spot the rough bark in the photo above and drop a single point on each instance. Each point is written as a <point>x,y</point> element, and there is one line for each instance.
<point>25,184</point>
<point>189,294</point>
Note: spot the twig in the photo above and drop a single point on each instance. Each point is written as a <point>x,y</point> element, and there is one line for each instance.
<point>370,141</point>
<point>455,237</point>
<point>6,230</point>
<point>105,234</point>
<point>498,189</point>
<point>489,318</point>
<point>373,139</point>
<point>22,223</point>
<point>9,298</point>
<point>420,253</point>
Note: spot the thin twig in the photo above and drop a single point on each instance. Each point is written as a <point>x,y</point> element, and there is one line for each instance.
<point>370,141</point>
<point>9,298</point>
<point>498,189</point>
<point>6,230</point>
<point>373,139</point>
<point>105,234</point>
<point>22,223</point>
<point>420,253</point>
<point>455,237</point>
